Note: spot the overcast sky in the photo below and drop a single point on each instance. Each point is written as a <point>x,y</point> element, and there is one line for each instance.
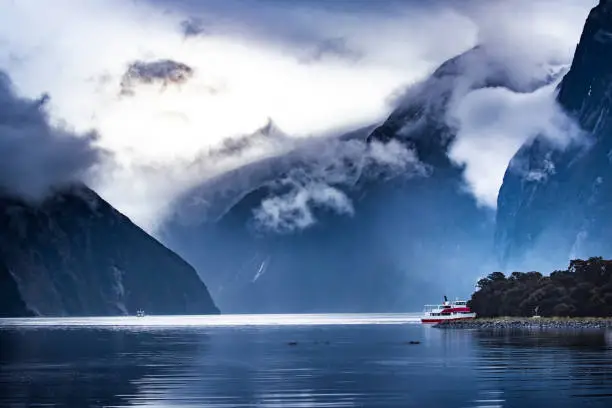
<point>313,67</point>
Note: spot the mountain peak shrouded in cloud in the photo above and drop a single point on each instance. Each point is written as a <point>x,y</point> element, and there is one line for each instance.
<point>268,133</point>
<point>585,91</point>
<point>554,202</point>
<point>339,219</point>
<point>310,173</point>
<point>329,237</point>
<point>484,109</point>
<point>247,62</point>
<point>38,157</point>
<point>163,72</point>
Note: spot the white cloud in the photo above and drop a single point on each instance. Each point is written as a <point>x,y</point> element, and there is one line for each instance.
<point>293,210</point>
<point>493,124</point>
<point>534,41</point>
<point>78,52</point>
<point>248,66</point>
<point>534,30</point>
<point>37,157</point>
<point>328,171</point>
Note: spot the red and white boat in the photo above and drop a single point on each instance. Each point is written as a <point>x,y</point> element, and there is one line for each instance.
<point>457,310</point>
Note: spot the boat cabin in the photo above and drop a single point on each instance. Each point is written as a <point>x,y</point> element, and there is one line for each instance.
<point>447,311</point>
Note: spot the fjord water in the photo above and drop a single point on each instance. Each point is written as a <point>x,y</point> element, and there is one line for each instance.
<point>296,361</point>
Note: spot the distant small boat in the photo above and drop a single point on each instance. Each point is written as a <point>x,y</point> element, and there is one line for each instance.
<point>140,313</point>
<point>457,310</point>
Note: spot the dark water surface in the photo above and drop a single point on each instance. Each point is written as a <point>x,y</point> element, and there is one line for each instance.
<point>296,361</point>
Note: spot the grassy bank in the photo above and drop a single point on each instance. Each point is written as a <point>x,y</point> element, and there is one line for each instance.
<point>530,323</point>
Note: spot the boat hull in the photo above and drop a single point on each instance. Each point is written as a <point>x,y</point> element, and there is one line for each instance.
<point>439,320</point>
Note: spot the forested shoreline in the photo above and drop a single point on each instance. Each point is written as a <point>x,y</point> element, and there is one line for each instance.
<point>584,289</point>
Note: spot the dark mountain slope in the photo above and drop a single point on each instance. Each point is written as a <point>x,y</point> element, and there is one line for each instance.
<point>74,254</point>
<point>556,201</point>
<point>11,303</point>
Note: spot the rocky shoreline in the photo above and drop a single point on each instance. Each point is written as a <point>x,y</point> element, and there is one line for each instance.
<point>528,323</point>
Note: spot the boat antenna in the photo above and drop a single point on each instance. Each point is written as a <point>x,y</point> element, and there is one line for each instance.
<point>445,298</point>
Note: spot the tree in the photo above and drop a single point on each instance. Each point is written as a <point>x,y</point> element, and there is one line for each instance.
<point>584,289</point>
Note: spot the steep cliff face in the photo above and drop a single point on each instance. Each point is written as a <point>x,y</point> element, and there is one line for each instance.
<point>586,89</point>
<point>409,238</point>
<point>11,303</point>
<point>555,203</point>
<point>74,254</point>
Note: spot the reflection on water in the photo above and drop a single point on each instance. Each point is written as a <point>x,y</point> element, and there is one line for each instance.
<point>319,361</point>
<point>216,321</point>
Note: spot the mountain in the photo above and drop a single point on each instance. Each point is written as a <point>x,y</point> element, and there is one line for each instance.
<point>74,254</point>
<point>11,303</point>
<point>555,203</point>
<point>376,221</point>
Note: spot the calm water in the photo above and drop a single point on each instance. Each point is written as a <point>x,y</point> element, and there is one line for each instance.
<point>296,361</point>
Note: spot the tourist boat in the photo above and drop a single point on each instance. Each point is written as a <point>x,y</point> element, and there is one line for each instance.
<point>457,310</point>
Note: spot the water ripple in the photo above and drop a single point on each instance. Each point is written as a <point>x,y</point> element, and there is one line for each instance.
<point>295,361</point>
